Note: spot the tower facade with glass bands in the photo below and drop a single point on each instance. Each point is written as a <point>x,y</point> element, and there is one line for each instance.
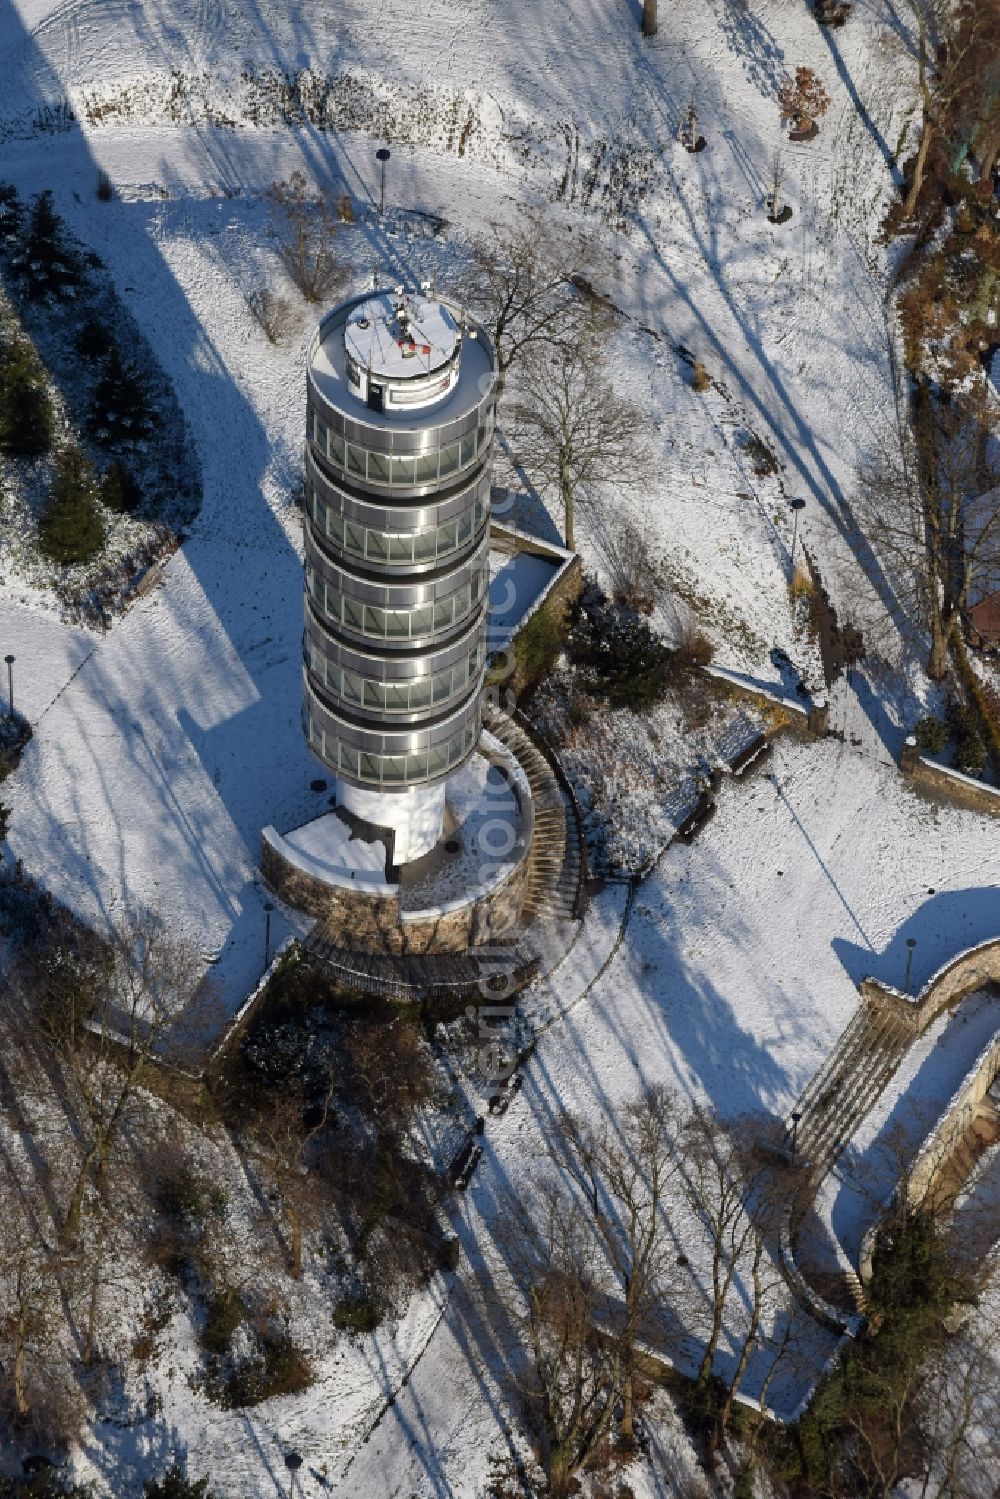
<point>401,405</point>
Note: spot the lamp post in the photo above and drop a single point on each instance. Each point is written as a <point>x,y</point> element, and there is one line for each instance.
<point>382,156</point>
<point>293,1463</point>
<point>796,506</point>
<point>796,1116</point>
<point>911,943</point>
<point>268,908</point>
<point>10,684</point>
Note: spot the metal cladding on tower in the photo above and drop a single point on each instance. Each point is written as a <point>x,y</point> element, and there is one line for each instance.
<point>401,398</point>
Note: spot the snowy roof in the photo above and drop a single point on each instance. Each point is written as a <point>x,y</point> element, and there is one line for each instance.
<point>400,336</point>
<point>328,369</point>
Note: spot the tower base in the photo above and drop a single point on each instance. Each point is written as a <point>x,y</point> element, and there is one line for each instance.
<point>414,818</point>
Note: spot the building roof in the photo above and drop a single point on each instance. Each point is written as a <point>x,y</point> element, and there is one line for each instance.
<point>984,617</point>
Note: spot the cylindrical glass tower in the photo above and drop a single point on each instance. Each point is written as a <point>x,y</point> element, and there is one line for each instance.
<point>401,394</point>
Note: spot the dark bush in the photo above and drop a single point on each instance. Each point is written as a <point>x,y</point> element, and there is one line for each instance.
<point>223,1315</point>
<point>761,455</point>
<point>450,1254</point>
<point>93,341</point>
<point>693,648</point>
<point>969,745</point>
<point>184,1197</point>
<point>44,1483</point>
<point>120,490</point>
<point>618,655</point>
<point>282,1369</point>
<point>71,528</point>
<point>105,188</point>
<point>362,1312</point>
<point>931,734</point>
<point>175,1484</point>
<point>25,404</point>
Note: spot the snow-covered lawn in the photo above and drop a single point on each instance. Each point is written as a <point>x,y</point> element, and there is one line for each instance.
<point>162,748</point>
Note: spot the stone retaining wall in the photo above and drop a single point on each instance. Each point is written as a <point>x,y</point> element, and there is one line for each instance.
<point>789,713</point>
<point>940,1145</point>
<point>946,784</point>
<point>374,921</point>
<point>954,1124</point>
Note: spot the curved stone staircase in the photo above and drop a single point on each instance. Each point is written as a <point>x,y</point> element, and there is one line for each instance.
<point>555,860</point>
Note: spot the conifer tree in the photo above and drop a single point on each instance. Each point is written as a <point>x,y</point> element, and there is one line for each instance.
<point>43,261</point>
<point>121,410</point>
<point>71,528</point>
<point>11,213</point>
<point>120,490</point>
<point>25,405</point>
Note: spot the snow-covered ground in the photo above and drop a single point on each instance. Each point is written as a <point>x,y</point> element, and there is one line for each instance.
<point>163,747</point>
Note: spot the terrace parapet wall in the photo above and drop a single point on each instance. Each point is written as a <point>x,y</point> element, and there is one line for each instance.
<point>374,921</point>
<point>973,969</point>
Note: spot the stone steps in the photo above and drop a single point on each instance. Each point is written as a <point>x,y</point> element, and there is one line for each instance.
<point>843,1091</point>
<point>554,864</point>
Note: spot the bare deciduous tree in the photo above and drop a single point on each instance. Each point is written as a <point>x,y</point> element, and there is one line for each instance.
<point>574,431</point>
<point>271,312</point>
<point>958,1410</point>
<point>732,1195</point>
<point>522,280</point>
<point>559,1308</point>
<point>957,46</point>
<point>287,1138</point>
<point>106,1012</point>
<point>303,227</point>
<point>36,1391</point>
<point>622,1173</point>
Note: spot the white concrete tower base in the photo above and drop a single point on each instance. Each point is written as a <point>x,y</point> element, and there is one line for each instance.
<point>415,815</point>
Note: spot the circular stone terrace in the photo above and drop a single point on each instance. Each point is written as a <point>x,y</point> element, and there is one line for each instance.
<point>468,889</point>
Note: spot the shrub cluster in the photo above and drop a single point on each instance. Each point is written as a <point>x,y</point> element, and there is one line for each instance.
<point>175,1484</point>
<point>969,744</point>
<point>361,1312</point>
<point>617,654</point>
<point>912,1292</point>
<point>931,734</point>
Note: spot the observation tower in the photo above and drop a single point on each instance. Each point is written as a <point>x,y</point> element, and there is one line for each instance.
<point>401,391</point>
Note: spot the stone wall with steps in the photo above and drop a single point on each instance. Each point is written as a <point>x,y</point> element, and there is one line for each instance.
<point>543,889</point>
<point>970,970</point>
<point>376,923</point>
<point>849,1083</point>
